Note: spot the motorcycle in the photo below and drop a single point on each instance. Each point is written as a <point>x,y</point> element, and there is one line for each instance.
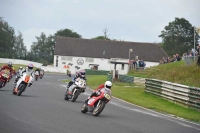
<point>4,77</point>
<point>79,88</point>
<point>96,104</point>
<point>41,74</point>
<point>22,84</point>
<point>36,75</point>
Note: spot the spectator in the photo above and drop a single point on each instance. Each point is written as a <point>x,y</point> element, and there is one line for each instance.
<point>142,63</point>
<point>198,50</point>
<point>134,64</point>
<point>164,60</point>
<point>173,58</point>
<point>178,57</point>
<point>168,59</point>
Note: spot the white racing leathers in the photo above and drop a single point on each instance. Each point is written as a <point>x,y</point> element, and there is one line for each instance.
<point>29,72</point>
<point>70,89</point>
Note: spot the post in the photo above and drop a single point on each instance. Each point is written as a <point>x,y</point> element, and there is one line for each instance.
<point>194,44</point>
<point>130,50</point>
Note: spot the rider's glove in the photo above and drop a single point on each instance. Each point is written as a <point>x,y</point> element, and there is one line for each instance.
<point>98,92</point>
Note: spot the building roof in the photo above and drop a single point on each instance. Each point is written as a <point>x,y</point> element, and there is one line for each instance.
<point>66,46</point>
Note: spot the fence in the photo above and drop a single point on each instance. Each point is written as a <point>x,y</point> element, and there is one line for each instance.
<point>190,59</point>
<point>124,78</point>
<point>189,96</point>
<point>96,72</point>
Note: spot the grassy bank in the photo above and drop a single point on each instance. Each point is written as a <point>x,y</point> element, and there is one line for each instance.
<point>176,72</point>
<point>136,95</point>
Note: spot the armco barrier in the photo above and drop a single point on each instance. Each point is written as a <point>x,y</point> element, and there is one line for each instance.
<point>124,78</point>
<point>96,72</point>
<point>189,96</point>
<point>109,77</point>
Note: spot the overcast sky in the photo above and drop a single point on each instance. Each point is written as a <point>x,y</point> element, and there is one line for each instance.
<point>128,20</point>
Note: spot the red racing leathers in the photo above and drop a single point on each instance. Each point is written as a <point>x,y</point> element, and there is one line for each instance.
<point>9,69</point>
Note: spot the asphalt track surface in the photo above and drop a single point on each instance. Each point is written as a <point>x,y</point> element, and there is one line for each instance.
<point>42,109</point>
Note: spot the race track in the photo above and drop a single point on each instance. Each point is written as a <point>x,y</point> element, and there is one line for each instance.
<point>42,109</point>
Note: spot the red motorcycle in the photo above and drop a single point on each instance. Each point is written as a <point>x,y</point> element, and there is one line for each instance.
<point>4,77</point>
<point>96,104</point>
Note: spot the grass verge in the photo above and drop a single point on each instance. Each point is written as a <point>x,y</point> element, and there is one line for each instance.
<point>137,95</point>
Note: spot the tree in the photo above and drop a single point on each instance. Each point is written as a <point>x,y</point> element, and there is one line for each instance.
<point>67,33</point>
<point>7,39</point>
<point>178,37</point>
<point>101,38</point>
<point>43,49</point>
<point>104,37</point>
<point>19,47</point>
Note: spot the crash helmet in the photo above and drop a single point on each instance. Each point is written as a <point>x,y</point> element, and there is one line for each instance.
<point>20,67</point>
<point>10,64</point>
<point>108,84</point>
<point>82,72</point>
<point>30,66</point>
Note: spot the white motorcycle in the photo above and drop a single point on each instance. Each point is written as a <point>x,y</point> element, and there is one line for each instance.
<point>79,87</point>
<point>36,75</point>
<point>22,83</point>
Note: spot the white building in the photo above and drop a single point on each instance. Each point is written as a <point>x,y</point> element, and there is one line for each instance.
<point>73,53</point>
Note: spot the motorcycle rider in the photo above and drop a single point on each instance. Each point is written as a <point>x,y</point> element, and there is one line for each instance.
<point>9,68</point>
<point>96,92</point>
<point>19,73</point>
<point>20,69</point>
<point>28,69</point>
<point>42,72</point>
<point>38,69</point>
<point>80,74</point>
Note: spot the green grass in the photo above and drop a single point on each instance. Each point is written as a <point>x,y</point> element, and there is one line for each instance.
<point>16,66</point>
<point>136,95</point>
<point>176,72</point>
<point>65,80</point>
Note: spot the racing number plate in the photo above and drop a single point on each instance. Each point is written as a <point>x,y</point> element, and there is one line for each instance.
<point>5,75</point>
<point>107,96</point>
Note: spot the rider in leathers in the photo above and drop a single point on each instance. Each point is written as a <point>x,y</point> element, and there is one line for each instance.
<point>96,92</point>
<point>9,68</point>
<point>78,75</point>
<point>29,70</point>
<point>70,84</point>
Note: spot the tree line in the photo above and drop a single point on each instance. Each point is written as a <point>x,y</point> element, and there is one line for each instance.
<point>177,37</point>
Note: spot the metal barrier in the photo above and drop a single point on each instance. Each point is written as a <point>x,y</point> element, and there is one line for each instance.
<point>96,72</point>
<point>189,96</point>
<point>128,79</point>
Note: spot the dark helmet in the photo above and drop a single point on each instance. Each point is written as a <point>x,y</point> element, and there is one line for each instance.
<point>10,64</point>
<point>82,72</point>
<point>30,66</point>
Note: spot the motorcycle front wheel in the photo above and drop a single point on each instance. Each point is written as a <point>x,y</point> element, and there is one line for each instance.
<point>75,96</point>
<point>21,89</point>
<point>1,84</point>
<point>99,109</point>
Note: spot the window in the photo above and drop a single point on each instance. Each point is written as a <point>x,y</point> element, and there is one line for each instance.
<point>89,59</point>
<point>66,58</point>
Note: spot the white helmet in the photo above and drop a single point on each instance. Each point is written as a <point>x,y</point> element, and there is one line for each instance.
<point>108,84</point>
<point>20,67</point>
